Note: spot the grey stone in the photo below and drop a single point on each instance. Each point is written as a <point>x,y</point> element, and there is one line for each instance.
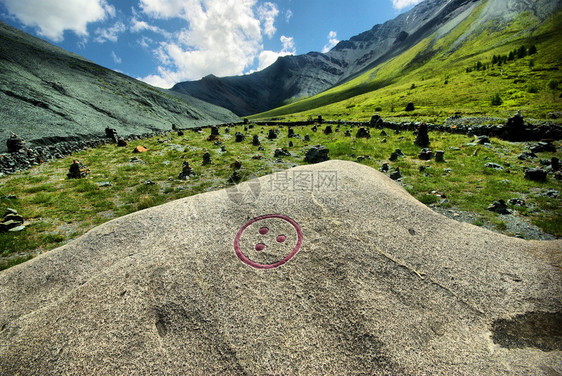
<point>17,228</point>
<point>495,166</point>
<point>384,167</point>
<point>499,207</point>
<point>483,140</point>
<point>363,133</point>
<point>317,154</point>
<point>379,285</point>
<point>439,156</point>
<point>425,154</point>
<point>281,153</point>
<point>535,174</point>
<point>395,175</point>
<point>239,137</point>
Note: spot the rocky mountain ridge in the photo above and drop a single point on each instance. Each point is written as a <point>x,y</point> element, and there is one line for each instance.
<point>294,77</point>
<point>48,95</point>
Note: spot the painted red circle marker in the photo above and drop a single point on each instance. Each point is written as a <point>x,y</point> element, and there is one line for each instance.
<point>280,239</point>
<point>263,230</point>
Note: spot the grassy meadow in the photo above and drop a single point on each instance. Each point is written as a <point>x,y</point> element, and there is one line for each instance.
<point>441,78</point>
<point>57,209</point>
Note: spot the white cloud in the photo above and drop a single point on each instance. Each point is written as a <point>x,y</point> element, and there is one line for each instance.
<point>109,34</point>
<point>144,41</point>
<point>401,4</point>
<point>166,8</point>
<point>116,58</point>
<point>138,26</point>
<point>53,17</point>
<point>288,15</point>
<point>267,57</point>
<point>221,37</point>
<point>267,14</point>
<point>332,41</point>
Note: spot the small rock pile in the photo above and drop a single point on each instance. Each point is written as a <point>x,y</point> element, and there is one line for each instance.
<point>186,172</point>
<point>77,170</point>
<point>14,143</point>
<point>317,154</point>
<point>363,133</point>
<point>281,153</point>
<point>256,140</point>
<point>422,138</point>
<point>11,221</point>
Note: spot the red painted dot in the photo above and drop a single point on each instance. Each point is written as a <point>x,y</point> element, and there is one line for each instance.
<point>264,230</point>
<point>281,238</point>
<point>260,247</point>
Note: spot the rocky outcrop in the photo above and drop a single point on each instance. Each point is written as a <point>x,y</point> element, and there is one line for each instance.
<point>348,275</point>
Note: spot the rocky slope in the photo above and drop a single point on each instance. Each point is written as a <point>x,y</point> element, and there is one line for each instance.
<point>48,94</point>
<point>294,77</point>
<point>350,276</point>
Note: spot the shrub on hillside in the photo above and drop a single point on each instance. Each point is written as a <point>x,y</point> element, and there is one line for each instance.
<point>496,100</point>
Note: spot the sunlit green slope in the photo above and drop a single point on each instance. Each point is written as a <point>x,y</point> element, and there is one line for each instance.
<point>440,76</point>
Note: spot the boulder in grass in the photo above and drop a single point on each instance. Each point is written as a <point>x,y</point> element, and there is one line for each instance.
<point>363,133</point>
<point>140,149</point>
<point>354,276</point>
<point>317,154</point>
<point>121,142</point>
<point>535,174</point>
<point>239,137</point>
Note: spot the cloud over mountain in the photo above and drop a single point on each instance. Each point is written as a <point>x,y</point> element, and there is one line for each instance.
<point>219,37</point>
<point>53,17</point>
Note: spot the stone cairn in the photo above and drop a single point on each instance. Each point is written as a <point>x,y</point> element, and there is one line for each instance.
<point>214,134</point>
<point>363,133</point>
<point>422,138</point>
<point>77,170</point>
<point>239,137</point>
<point>11,221</point>
<point>186,171</point>
<point>14,143</point>
<point>256,140</point>
<point>206,158</point>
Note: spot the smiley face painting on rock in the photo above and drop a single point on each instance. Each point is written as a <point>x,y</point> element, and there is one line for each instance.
<point>268,241</point>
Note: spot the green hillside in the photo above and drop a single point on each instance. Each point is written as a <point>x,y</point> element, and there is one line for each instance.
<point>455,72</point>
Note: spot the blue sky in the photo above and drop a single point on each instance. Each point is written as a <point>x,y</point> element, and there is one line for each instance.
<point>167,41</point>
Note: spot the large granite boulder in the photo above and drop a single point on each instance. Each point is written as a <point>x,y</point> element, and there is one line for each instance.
<point>346,275</point>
